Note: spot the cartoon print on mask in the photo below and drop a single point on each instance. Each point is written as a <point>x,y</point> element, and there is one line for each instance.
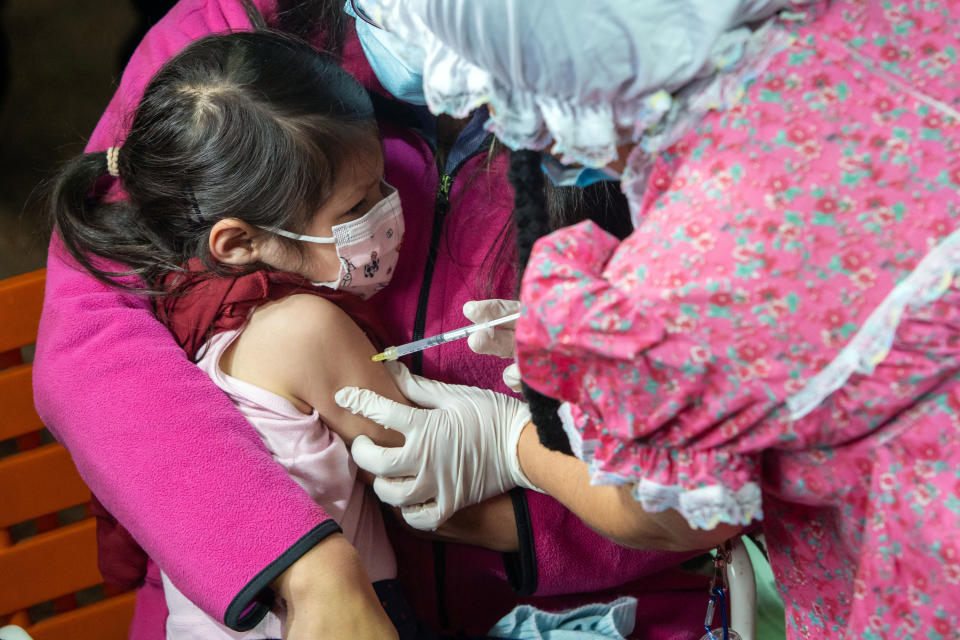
<point>369,270</point>
<point>348,267</point>
<point>389,271</point>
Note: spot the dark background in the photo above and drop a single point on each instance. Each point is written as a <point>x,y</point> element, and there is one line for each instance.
<point>62,62</point>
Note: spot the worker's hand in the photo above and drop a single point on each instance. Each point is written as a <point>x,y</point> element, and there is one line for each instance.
<point>460,447</point>
<point>497,341</point>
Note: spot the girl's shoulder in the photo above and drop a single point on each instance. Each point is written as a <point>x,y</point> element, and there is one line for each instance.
<point>287,329</point>
<point>298,343</point>
<point>299,312</point>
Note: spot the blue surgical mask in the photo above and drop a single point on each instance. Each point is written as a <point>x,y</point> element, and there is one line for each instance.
<point>563,175</point>
<point>398,65</point>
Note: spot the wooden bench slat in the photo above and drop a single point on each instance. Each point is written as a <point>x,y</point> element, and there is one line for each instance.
<point>21,300</point>
<point>17,415</point>
<point>37,482</point>
<point>49,565</point>
<point>105,620</point>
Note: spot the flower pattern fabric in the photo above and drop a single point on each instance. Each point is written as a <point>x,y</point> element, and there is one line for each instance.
<point>764,241</point>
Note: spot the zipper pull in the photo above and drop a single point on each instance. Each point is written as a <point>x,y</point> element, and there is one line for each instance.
<point>443,189</point>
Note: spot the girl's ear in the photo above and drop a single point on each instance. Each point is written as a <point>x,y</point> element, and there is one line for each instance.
<point>234,242</point>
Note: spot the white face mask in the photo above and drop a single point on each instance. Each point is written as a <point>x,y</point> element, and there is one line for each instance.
<point>368,247</point>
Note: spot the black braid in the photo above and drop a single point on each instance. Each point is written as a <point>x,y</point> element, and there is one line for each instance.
<point>257,21</point>
<point>532,222</point>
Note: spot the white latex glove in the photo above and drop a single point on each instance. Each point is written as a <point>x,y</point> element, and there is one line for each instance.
<point>460,448</point>
<point>497,341</point>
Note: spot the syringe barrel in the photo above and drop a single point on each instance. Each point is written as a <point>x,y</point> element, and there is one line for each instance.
<point>420,345</point>
<point>392,353</point>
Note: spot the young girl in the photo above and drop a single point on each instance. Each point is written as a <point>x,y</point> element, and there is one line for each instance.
<point>256,212</point>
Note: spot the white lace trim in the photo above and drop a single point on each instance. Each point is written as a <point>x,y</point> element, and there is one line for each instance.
<point>573,434</point>
<point>585,133</point>
<point>872,343</point>
<point>703,507</point>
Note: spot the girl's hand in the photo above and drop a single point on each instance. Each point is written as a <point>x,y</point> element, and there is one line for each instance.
<point>329,596</point>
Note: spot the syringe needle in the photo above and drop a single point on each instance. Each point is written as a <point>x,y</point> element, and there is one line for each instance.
<point>392,353</point>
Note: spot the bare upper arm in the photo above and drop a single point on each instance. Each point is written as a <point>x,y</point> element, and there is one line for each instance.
<point>305,349</point>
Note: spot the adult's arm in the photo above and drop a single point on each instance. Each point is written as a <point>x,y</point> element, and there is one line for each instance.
<point>547,538</point>
<point>551,539</point>
<point>156,441</point>
<point>164,449</point>
<point>461,438</point>
<point>611,510</point>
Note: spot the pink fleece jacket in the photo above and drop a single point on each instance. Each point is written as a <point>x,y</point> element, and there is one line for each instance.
<point>114,387</point>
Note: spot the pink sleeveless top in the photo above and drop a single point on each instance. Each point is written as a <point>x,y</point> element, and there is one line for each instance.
<point>318,460</point>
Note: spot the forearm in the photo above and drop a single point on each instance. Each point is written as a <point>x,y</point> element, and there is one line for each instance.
<point>610,510</point>
<point>490,524</point>
<point>329,595</point>
<point>549,533</point>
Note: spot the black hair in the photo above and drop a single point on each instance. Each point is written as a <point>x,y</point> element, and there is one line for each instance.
<point>602,202</point>
<point>532,222</point>
<point>539,208</point>
<point>321,20</point>
<point>252,126</point>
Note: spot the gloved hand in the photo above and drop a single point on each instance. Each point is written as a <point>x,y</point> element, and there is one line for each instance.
<point>460,447</point>
<point>497,341</point>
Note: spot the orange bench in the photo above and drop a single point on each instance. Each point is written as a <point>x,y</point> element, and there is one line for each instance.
<point>44,563</point>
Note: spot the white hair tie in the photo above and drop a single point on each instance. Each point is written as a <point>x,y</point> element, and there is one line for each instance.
<point>113,156</point>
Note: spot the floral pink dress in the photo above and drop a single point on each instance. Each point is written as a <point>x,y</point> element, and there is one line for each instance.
<point>779,339</point>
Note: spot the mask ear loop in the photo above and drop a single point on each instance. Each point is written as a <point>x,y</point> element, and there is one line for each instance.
<point>297,236</point>
<point>318,239</point>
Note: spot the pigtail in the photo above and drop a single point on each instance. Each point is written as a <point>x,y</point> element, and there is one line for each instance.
<point>77,212</point>
<point>93,228</point>
<point>532,222</point>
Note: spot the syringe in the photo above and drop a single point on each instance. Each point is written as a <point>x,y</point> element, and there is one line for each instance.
<point>392,353</point>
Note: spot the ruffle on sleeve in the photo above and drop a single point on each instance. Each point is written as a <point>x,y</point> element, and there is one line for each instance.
<point>649,76</point>
<point>705,487</point>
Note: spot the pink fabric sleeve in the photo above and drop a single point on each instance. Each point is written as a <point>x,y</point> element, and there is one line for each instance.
<point>158,443</point>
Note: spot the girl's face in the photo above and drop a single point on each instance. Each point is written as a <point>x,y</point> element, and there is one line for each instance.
<point>358,189</point>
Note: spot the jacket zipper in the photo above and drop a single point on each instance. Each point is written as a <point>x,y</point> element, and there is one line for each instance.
<point>440,209</point>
